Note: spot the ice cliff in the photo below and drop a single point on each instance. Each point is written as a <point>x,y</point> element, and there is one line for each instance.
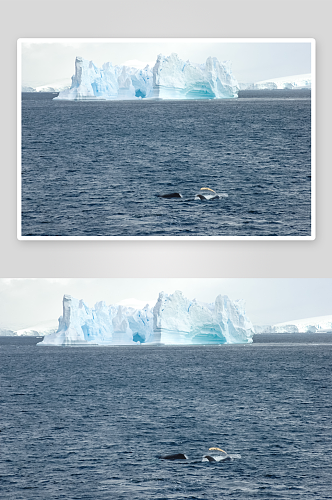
<point>178,320</point>
<point>307,325</point>
<point>170,78</point>
<point>173,320</point>
<point>177,79</point>
<point>101,325</point>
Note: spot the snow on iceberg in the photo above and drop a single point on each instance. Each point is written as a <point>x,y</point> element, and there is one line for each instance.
<point>101,325</point>
<point>173,320</point>
<point>178,320</point>
<point>170,78</point>
<point>176,79</point>
<point>307,325</point>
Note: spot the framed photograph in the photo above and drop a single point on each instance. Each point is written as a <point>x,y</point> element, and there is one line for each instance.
<point>166,139</point>
<point>218,389</point>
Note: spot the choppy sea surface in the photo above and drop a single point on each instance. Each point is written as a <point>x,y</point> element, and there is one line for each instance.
<point>95,168</point>
<point>91,423</point>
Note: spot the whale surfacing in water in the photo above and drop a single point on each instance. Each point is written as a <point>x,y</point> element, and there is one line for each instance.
<point>217,455</point>
<point>203,194</point>
<point>207,194</point>
<point>176,456</point>
<point>170,195</point>
<point>213,455</point>
<point>217,458</point>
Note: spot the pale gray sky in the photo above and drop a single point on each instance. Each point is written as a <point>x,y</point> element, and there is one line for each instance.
<point>44,63</point>
<point>28,302</point>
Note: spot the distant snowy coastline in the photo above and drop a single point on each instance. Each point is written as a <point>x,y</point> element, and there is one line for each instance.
<point>43,328</point>
<point>319,324</point>
<point>283,83</point>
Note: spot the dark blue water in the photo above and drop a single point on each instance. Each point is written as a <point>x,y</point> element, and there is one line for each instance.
<point>95,168</point>
<point>293,338</point>
<point>90,423</point>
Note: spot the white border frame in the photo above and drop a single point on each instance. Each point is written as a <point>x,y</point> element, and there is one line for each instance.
<point>312,41</point>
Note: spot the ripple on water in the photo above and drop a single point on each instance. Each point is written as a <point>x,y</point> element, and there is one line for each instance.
<point>102,164</point>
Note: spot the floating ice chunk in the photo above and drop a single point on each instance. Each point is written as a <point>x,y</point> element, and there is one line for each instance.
<point>179,320</point>
<point>170,78</point>
<point>173,320</point>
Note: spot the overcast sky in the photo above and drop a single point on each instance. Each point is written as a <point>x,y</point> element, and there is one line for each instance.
<point>29,302</point>
<point>49,62</point>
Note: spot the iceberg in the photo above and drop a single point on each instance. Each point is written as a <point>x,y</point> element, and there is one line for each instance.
<point>170,78</point>
<point>178,320</point>
<point>176,79</point>
<point>101,325</point>
<point>174,319</point>
<point>318,324</point>
<point>108,82</point>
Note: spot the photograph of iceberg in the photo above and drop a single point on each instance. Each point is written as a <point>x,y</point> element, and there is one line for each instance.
<point>154,395</point>
<point>166,138</point>
<point>163,311</point>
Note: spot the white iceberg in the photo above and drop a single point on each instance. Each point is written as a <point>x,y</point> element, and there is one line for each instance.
<point>177,79</point>
<point>170,78</point>
<point>178,320</point>
<point>108,82</point>
<point>173,320</point>
<point>101,325</point>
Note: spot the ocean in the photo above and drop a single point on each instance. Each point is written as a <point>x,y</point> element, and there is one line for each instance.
<point>96,168</point>
<point>92,423</point>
